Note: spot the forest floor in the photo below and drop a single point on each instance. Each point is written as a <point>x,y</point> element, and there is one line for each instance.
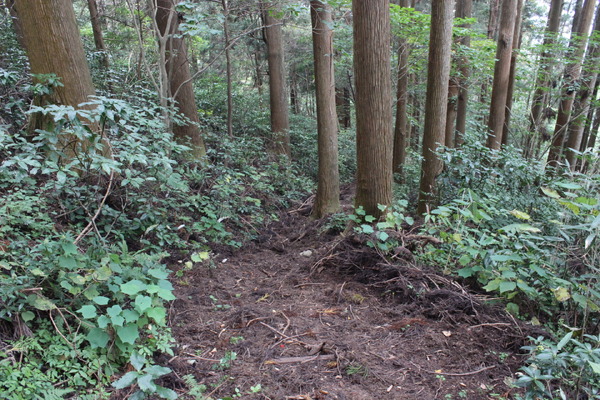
<point>308,314</point>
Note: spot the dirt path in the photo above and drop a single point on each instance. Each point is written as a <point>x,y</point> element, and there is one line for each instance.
<point>310,315</point>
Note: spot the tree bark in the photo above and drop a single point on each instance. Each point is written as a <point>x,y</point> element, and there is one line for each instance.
<point>438,74</point>
<point>451,112</point>
<point>581,26</point>
<point>97,32</point>
<point>584,96</point>
<point>546,63</point>
<point>501,74</point>
<point>342,101</point>
<point>463,10</point>
<point>492,30</point>
<point>280,123</point>
<point>401,129</point>
<point>590,116</point>
<point>372,74</point>
<point>178,77</point>
<point>327,200</point>
<point>54,46</point>
<point>225,6</point>
<point>513,68</point>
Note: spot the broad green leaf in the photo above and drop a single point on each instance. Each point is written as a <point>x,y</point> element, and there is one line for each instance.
<point>505,257</point>
<point>520,214</point>
<point>88,311</point>
<point>130,315</point>
<point>595,367</point>
<point>102,273</point>
<point>117,320</point>
<point>101,300</point>
<point>166,294</point>
<point>128,333</point>
<point>27,316</point>
<point>98,338</point>
<point>137,360</point>
<point>133,287</point>
<point>158,273</point>
<point>197,257</point>
<point>67,262</point>
<point>465,272</point>
<point>37,272</point>
<point>550,193</point>
<point>514,228</point>
<point>564,341</point>
<point>383,236</point>
<point>568,185</point>
<point>158,314</point>
<point>507,286</point>
<point>41,303</point>
<point>492,285</point>
<point>589,240</point>
<point>69,248</point>
<point>145,383</point>
<point>158,371</point>
<point>561,294</point>
<point>369,218</point>
<point>464,260</point>
<point>103,321</point>
<point>114,310</point>
<point>142,303</point>
<point>368,229</point>
<point>126,380</point>
<point>166,393</point>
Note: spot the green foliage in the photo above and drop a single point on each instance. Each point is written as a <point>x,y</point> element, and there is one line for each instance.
<point>569,369</point>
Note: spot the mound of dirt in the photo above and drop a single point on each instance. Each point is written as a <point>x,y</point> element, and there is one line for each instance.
<point>310,315</point>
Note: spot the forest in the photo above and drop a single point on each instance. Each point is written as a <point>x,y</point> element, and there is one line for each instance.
<point>303,200</point>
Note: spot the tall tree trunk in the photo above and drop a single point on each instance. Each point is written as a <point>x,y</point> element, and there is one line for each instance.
<point>438,74</point>
<point>97,32</point>
<point>401,129</point>
<point>177,80</point>
<point>54,46</point>
<point>546,63</point>
<point>582,22</point>
<point>372,74</point>
<point>492,30</point>
<point>327,200</point>
<point>451,112</point>
<point>513,68</point>
<point>225,6</point>
<point>342,101</point>
<point>280,123</point>
<point>501,74</point>
<point>463,10</point>
<point>590,116</point>
<point>584,95</point>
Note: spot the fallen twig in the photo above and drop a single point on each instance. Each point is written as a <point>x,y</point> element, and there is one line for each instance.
<point>454,373</point>
<point>290,360</point>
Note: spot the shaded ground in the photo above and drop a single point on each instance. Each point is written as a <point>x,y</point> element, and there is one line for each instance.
<point>311,315</point>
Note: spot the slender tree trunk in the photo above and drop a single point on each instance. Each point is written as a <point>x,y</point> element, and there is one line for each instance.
<point>401,129</point>
<point>372,74</point>
<point>492,30</point>
<point>584,96</point>
<point>327,200</point>
<point>54,46</point>
<point>280,123</point>
<point>546,62</point>
<point>176,79</point>
<point>582,22</point>
<point>225,6</point>
<point>513,68</point>
<point>97,32</point>
<point>438,74</point>
<point>342,101</point>
<point>463,10</point>
<point>590,116</point>
<point>451,112</point>
<point>501,74</point>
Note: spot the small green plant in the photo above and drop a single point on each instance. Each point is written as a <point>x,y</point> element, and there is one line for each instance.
<point>357,369</point>
<point>226,360</point>
<point>217,306</point>
<point>236,339</point>
<point>568,369</point>
<point>143,376</point>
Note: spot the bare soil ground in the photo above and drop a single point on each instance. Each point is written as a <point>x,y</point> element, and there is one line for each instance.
<point>315,315</point>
